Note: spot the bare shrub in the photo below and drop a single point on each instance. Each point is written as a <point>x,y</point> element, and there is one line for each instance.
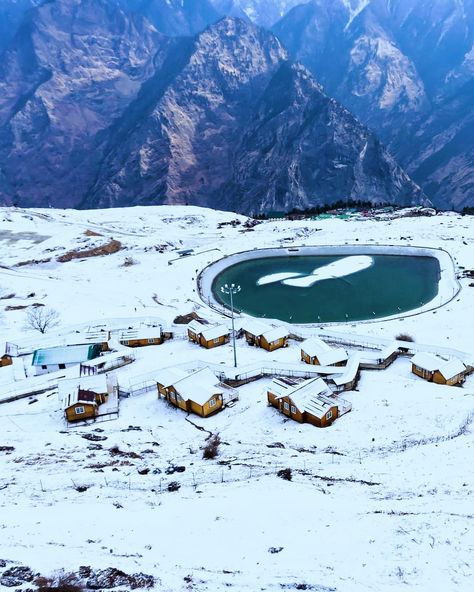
<point>42,318</point>
<point>129,261</point>
<point>211,449</point>
<point>285,474</point>
<point>404,337</point>
<point>173,486</point>
<point>60,582</point>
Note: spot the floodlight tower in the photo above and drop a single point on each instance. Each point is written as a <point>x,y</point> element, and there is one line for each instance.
<point>231,290</point>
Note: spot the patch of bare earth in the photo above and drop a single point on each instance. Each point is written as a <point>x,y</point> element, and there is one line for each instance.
<point>113,246</point>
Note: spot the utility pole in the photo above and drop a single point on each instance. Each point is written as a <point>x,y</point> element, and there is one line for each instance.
<point>231,290</point>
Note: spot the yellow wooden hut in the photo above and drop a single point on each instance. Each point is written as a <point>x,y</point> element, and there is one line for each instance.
<point>199,392</point>
<point>316,351</point>
<point>310,401</point>
<point>253,331</point>
<point>82,397</point>
<point>436,369</point>
<point>265,336</point>
<point>141,337</point>
<point>5,360</point>
<point>208,336</point>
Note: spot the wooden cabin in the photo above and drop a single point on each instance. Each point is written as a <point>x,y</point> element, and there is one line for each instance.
<point>309,401</point>
<point>52,359</point>
<point>265,336</point>
<point>208,336</point>
<point>275,338</point>
<point>141,337</point>
<point>6,360</point>
<point>199,392</point>
<point>438,370</point>
<point>253,331</point>
<point>316,351</point>
<point>82,397</point>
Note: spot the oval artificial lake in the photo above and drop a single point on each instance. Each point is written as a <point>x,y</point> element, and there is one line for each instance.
<point>296,286</point>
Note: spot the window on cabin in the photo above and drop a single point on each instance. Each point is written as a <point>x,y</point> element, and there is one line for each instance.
<point>329,414</point>
<point>293,409</point>
<point>216,340</point>
<point>125,342</point>
<point>172,395</point>
<point>79,410</point>
<point>286,406</point>
<point>212,403</point>
<point>151,340</point>
<point>62,366</point>
<point>44,367</point>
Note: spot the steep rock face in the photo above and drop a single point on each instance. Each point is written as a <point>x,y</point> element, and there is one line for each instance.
<point>73,66</point>
<point>98,109</point>
<point>260,12</point>
<point>303,149</point>
<point>357,59</point>
<point>182,150</point>
<point>12,13</point>
<point>175,17</point>
<point>240,127</point>
<point>396,65</point>
<point>443,149</point>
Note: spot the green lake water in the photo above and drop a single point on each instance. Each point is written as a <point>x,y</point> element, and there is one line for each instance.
<point>394,284</point>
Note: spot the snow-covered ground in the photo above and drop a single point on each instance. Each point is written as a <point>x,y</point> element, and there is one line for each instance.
<point>381,500</point>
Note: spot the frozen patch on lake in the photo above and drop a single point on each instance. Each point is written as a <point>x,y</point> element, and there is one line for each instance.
<point>338,269</point>
<point>276,277</point>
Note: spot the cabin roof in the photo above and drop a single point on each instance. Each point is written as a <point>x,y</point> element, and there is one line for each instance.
<point>78,396</point>
<point>68,390</point>
<point>199,386</point>
<point>254,327</point>
<point>69,354</point>
<point>196,327</point>
<point>312,396</point>
<point>141,333</point>
<point>326,355</point>
<point>275,334</point>
<point>431,363</point>
<point>350,371</point>
<point>168,376</point>
<point>214,332</point>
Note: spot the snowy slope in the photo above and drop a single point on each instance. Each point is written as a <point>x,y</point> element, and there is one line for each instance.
<point>381,500</point>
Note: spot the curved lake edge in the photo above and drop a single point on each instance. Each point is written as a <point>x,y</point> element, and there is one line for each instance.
<point>448,285</point>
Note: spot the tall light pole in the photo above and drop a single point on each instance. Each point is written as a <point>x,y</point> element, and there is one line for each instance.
<point>231,290</point>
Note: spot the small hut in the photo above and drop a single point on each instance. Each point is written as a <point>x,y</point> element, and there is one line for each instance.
<point>141,337</point>
<point>5,360</point>
<point>208,336</point>
<point>438,370</point>
<point>316,351</point>
<point>199,392</point>
<point>309,401</point>
<point>81,397</point>
<point>265,336</point>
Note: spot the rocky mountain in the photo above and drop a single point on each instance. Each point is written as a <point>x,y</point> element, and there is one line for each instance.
<point>12,13</point>
<point>398,65</point>
<point>99,109</point>
<point>175,17</point>
<point>261,12</point>
<point>73,67</point>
